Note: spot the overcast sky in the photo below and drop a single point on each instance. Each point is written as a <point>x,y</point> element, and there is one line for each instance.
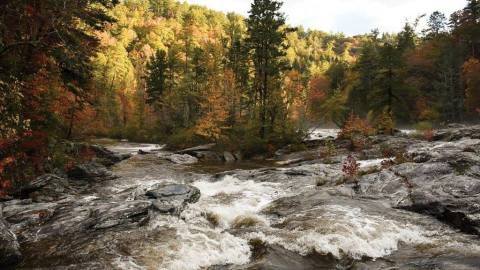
<point>348,16</point>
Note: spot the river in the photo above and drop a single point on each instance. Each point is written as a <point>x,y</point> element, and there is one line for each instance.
<point>301,226</point>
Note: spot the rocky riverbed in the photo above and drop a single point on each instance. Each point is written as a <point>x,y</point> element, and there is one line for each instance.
<point>416,206</point>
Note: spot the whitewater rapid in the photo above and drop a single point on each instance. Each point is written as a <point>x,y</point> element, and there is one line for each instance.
<point>218,229</point>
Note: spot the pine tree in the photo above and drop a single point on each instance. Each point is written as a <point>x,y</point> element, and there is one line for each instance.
<point>266,38</point>
<point>157,70</point>
<point>437,24</point>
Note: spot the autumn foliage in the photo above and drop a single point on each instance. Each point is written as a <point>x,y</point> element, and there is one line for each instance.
<point>350,168</point>
<point>356,126</point>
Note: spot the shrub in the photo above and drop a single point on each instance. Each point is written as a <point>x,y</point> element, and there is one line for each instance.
<point>424,125</point>
<point>356,126</point>
<point>330,149</point>
<point>357,130</point>
<point>387,151</point>
<point>350,168</point>
<point>184,138</point>
<point>385,123</point>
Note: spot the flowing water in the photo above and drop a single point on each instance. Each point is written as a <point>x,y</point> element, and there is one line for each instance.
<point>283,209</point>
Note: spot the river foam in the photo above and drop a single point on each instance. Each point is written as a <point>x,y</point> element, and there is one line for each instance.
<point>341,231</point>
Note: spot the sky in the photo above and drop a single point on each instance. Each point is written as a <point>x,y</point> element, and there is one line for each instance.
<point>348,16</point>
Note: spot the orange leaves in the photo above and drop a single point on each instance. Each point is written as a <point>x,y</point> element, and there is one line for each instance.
<point>424,111</point>
<point>356,126</point>
<point>294,95</point>
<point>318,86</point>
<point>215,106</point>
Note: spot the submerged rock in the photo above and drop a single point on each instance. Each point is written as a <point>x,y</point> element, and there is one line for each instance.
<point>172,198</point>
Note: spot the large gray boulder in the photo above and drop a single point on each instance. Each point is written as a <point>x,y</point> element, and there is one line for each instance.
<point>172,198</point>
<point>34,221</point>
<point>184,159</point>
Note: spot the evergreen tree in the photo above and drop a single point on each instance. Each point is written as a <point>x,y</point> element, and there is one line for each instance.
<point>266,42</point>
<point>157,70</point>
<point>437,24</point>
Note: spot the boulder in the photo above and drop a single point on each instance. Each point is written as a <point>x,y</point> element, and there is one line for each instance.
<point>108,156</point>
<point>228,157</point>
<point>90,171</point>
<point>182,159</point>
<point>172,198</point>
<point>209,156</point>
<point>47,188</point>
<point>34,221</point>
<point>9,247</point>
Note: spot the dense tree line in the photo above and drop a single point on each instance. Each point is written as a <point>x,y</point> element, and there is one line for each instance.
<point>161,70</point>
<point>427,79</point>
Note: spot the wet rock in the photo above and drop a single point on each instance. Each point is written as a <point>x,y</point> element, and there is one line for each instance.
<point>45,220</point>
<point>439,189</point>
<point>205,152</point>
<point>109,157</point>
<point>238,155</point>
<point>228,157</point>
<point>9,246</point>
<point>172,198</point>
<point>182,159</point>
<point>47,188</point>
<point>90,171</point>
<point>457,132</point>
<point>209,156</point>
<point>275,257</point>
<point>194,150</point>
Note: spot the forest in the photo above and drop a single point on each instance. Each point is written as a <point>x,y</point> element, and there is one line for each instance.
<point>165,71</point>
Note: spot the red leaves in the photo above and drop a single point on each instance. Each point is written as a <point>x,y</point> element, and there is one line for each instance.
<point>350,167</point>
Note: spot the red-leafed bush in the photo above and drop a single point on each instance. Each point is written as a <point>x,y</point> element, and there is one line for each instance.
<point>350,168</point>
<point>355,126</point>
